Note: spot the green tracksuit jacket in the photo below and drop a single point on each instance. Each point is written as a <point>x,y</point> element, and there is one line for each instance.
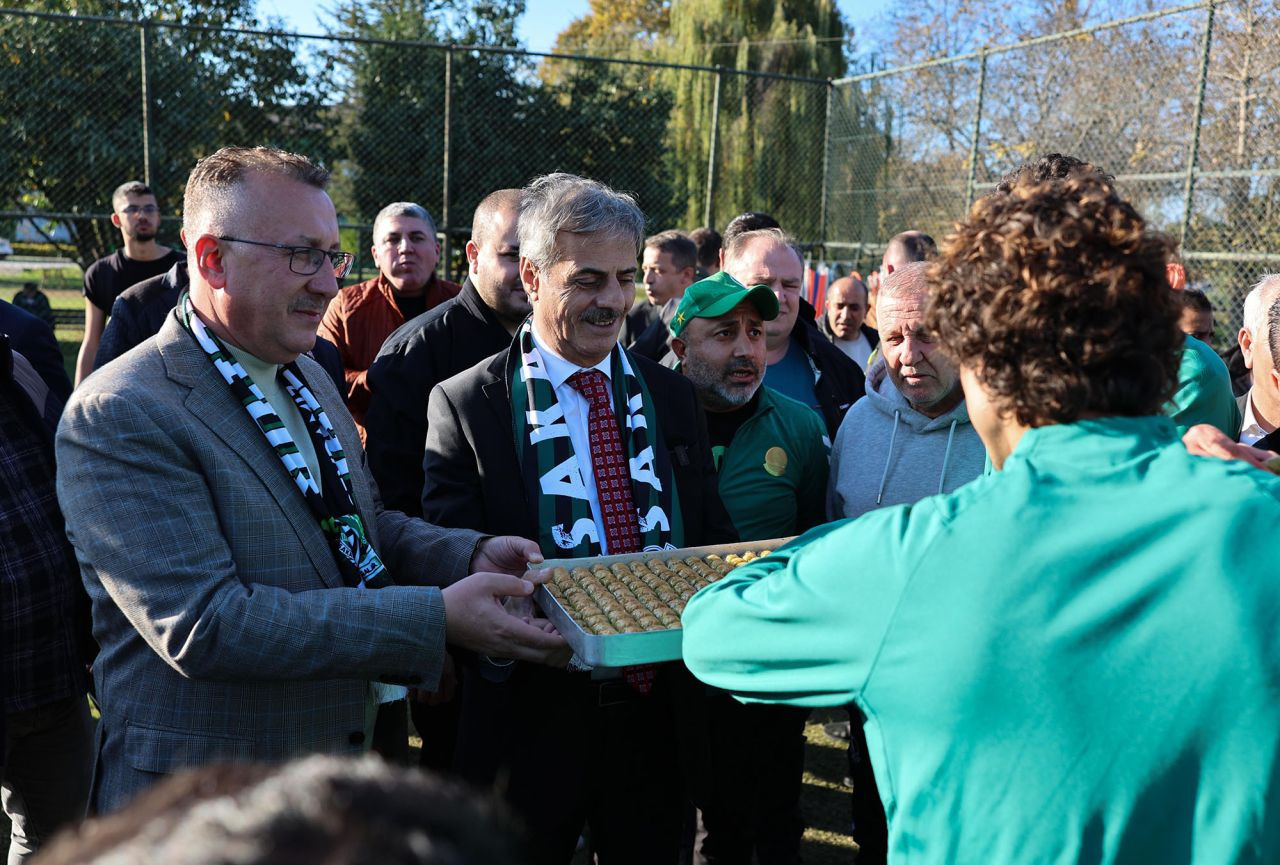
<point>1073,660</point>
<point>773,475</point>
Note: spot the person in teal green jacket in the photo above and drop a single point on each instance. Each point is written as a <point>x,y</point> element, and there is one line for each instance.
<point>1204,391</point>
<point>1074,659</point>
<point>771,458</point>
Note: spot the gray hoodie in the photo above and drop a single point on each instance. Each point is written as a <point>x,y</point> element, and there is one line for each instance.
<point>887,453</point>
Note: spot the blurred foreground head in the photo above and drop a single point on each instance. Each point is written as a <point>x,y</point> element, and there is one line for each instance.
<point>316,811</point>
<point>1053,299</point>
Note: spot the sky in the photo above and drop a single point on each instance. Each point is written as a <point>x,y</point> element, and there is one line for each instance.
<point>542,21</point>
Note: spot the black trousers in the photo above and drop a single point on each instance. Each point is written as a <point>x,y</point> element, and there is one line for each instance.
<point>870,828</point>
<point>746,778</point>
<point>600,754</point>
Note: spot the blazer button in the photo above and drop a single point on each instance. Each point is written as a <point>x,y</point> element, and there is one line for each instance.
<point>356,738</point>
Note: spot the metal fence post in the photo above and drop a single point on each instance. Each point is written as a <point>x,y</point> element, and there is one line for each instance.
<point>146,103</point>
<point>977,129</point>
<point>826,169</point>
<point>711,151</point>
<point>1193,154</point>
<point>444,174</point>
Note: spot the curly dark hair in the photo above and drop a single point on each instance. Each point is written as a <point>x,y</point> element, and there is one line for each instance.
<point>1055,296</point>
<point>1050,166</point>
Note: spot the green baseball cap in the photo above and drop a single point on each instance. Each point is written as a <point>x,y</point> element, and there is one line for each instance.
<point>718,294</point>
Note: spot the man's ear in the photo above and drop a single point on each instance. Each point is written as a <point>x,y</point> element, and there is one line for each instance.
<point>209,261</point>
<point>473,255</point>
<point>689,275</point>
<point>529,277</point>
<point>679,346</point>
<point>1275,379</point>
<point>115,219</point>
<point>1245,339</point>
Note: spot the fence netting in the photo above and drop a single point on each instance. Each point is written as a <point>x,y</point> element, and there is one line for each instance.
<point>1180,105</point>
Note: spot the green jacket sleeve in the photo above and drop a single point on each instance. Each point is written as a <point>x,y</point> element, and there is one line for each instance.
<point>1204,392</point>
<point>804,624</point>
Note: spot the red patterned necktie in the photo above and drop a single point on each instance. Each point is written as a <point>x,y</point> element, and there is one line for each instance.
<point>613,487</point>
<point>609,464</point>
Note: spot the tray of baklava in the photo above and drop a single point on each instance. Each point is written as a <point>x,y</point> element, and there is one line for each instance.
<point>618,611</point>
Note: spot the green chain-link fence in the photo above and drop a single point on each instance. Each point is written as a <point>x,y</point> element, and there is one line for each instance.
<point>1179,104</point>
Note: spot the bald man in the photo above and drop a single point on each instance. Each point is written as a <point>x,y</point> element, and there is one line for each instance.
<point>845,321</point>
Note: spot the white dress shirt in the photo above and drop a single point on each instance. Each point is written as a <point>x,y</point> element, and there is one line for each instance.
<point>1250,430</point>
<point>576,416</point>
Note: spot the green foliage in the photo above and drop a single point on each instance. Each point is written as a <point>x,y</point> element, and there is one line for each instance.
<point>208,89</point>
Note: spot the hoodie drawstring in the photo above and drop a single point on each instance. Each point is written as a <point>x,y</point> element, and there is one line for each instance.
<point>946,455</point>
<point>888,458</point>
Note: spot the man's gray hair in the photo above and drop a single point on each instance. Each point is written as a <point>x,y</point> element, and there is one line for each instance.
<point>565,202</point>
<point>738,242</point>
<point>402,208</point>
<point>911,278</point>
<point>1258,300</point>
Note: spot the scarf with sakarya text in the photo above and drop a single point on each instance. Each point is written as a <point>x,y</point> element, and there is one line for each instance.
<point>553,474</point>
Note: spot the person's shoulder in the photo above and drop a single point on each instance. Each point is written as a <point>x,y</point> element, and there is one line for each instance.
<point>138,375</point>
<point>108,264</point>
<point>1200,359</point>
<point>794,413</point>
<point>352,296</point>
<point>467,384</point>
<point>147,290</point>
<point>421,332</point>
<point>15,318</point>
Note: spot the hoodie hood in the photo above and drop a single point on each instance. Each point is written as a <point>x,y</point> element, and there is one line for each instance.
<point>888,453</point>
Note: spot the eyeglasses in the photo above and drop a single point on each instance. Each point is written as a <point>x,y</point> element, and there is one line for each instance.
<point>135,209</point>
<point>306,260</point>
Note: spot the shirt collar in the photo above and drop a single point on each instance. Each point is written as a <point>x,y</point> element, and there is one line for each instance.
<point>1250,430</point>
<point>557,368</point>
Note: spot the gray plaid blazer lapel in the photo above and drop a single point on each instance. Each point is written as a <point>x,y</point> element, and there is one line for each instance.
<point>212,403</point>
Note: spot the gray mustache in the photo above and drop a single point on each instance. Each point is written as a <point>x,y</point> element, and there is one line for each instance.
<point>600,316</point>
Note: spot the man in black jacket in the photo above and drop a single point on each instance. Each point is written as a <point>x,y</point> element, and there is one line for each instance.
<point>441,343</point>
<point>802,363</point>
<point>567,438</point>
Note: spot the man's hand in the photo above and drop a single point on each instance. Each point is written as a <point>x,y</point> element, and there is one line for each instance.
<point>505,555</point>
<point>1206,440</point>
<point>475,619</point>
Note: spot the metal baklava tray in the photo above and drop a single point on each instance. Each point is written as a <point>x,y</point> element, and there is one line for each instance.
<point>625,650</point>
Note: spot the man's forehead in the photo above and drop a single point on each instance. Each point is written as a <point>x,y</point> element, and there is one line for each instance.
<point>403,224</point>
<point>900,310</point>
<point>287,211</point>
<point>143,198</point>
<point>846,292</point>
<point>597,251</point>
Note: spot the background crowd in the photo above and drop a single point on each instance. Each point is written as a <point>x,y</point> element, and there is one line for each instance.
<point>266,544</point>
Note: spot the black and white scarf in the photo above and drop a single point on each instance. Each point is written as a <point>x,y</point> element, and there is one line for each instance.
<point>553,477</point>
<point>333,507</point>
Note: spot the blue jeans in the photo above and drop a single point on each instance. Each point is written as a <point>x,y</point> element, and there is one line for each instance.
<point>48,761</point>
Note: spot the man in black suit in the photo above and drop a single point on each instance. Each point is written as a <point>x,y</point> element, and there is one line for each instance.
<point>421,353</point>
<point>567,438</point>
<point>441,343</point>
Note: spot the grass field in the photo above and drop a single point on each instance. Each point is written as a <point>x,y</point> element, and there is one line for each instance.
<point>63,288</point>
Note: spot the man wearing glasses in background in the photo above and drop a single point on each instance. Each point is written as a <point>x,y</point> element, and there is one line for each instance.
<point>137,214</point>
<point>251,598</point>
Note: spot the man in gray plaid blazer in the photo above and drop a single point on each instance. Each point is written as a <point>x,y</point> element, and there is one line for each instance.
<point>251,598</point>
